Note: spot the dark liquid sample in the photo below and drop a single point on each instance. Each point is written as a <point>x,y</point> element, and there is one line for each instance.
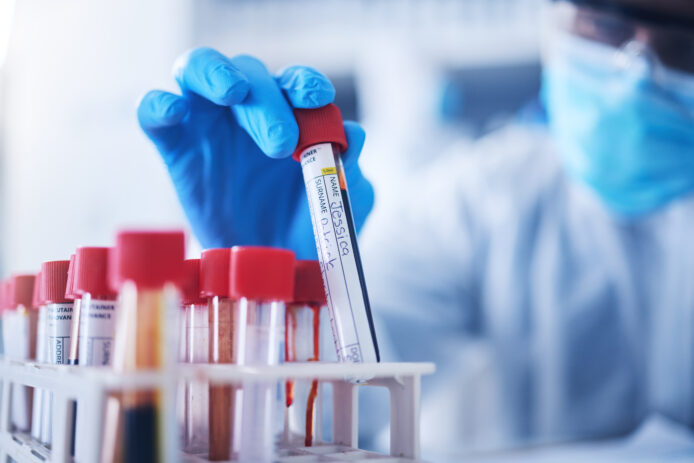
<point>140,434</point>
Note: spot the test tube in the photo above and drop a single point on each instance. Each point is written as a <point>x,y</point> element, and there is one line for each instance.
<point>321,141</point>
<point>59,315</point>
<point>196,340</point>
<point>303,344</point>
<point>214,285</point>
<point>38,401</point>
<point>24,320</point>
<point>146,267</point>
<point>72,358</point>
<point>261,281</point>
<point>58,327</point>
<point>96,323</point>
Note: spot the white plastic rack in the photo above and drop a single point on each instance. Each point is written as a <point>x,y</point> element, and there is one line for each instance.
<point>90,387</point>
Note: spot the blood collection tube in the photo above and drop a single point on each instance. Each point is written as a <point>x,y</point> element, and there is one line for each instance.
<point>146,268</point>
<point>58,326</point>
<point>261,281</point>
<point>38,402</point>
<point>303,344</point>
<point>72,358</point>
<point>59,315</point>
<point>321,142</point>
<point>97,321</point>
<point>196,340</point>
<point>214,285</point>
<point>23,343</point>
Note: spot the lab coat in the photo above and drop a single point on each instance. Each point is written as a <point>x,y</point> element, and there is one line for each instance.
<point>549,319</point>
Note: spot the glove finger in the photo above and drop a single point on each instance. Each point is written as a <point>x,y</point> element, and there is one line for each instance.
<point>305,87</point>
<point>160,114</point>
<point>213,76</point>
<point>361,191</point>
<point>265,114</point>
<point>355,142</point>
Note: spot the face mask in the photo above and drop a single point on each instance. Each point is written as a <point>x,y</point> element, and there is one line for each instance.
<point>626,131</point>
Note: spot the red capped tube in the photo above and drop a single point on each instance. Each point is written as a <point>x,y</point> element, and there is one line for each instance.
<point>194,339</point>
<point>146,268</point>
<point>322,140</point>
<point>214,285</point>
<point>96,303</point>
<point>305,329</point>
<point>261,281</point>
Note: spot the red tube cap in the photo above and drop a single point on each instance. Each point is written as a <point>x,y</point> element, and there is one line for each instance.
<point>54,281</point>
<point>260,273</point>
<point>36,297</point>
<point>112,273</point>
<point>308,283</point>
<point>214,272</point>
<point>70,285</point>
<point>320,125</point>
<point>91,273</point>
<point>149,258</point>
<point>190,287</point>
<point>22,290</point>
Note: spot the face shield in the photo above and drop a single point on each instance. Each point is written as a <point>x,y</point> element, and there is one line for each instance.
<point>661,46</point>
<point>619,92</point>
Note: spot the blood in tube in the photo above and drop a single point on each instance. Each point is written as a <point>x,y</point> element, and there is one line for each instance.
<point>214,285</point>
<point>303,323</point>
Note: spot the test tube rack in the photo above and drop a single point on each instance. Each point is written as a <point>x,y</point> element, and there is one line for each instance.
<point>90,387</point>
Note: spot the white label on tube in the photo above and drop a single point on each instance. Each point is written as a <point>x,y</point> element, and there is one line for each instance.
<point>97,327</point>
<point>59,323</point>
<point>346,300</point>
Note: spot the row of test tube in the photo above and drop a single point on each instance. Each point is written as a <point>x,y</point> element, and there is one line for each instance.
<point>140,306</point>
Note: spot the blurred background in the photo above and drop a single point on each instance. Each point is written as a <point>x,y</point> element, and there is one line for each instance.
<point>75,166</point>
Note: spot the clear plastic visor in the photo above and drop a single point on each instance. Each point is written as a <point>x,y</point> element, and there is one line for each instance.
<point>665,48</point>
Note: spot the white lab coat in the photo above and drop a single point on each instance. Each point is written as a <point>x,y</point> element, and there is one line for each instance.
<point>548,318</point>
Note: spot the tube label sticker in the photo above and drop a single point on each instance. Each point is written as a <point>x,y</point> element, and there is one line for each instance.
<point>59,324</point>
<point>97,327</point>
<point>335,242</point>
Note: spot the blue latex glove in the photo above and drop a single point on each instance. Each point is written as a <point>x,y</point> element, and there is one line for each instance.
<point>227,140</point>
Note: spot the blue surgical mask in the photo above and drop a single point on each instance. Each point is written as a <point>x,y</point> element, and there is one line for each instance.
<point>625,130</point>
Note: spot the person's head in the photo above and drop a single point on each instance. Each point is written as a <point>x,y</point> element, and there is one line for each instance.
<point>619,89</point>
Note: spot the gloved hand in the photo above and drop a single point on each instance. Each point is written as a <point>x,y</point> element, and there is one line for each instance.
<point>226,141</point>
